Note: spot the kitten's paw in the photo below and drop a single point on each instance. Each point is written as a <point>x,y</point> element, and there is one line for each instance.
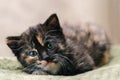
<point>40,73</point>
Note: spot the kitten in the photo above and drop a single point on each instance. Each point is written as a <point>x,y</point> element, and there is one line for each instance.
<point>48,49</point>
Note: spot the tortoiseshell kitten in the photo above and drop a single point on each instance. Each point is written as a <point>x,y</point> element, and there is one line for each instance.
<point>47,49</point>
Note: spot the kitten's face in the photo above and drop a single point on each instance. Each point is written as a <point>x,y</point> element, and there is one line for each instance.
<point>41,48</point>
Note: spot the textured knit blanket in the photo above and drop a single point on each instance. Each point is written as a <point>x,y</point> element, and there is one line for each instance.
<point>10,69</point>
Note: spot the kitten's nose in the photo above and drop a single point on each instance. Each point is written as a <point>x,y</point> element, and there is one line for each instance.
<point>42,63</point>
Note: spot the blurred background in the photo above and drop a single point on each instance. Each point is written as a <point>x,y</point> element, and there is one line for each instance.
<point>17,15</point>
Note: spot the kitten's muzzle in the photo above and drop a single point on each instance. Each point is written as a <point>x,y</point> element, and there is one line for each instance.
<point>48,67</point>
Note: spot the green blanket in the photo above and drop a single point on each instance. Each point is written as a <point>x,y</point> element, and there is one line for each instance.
<point>10,69</point>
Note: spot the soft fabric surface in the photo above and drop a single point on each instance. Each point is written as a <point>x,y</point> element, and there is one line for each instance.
<point>10,69</point>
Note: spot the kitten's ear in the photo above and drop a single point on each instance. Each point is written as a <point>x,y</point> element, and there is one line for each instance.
<point>14,43</point>
<point>52,21</point>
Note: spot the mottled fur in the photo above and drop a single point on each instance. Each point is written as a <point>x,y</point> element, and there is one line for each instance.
<point>49,49</point>
<point>92,37</point>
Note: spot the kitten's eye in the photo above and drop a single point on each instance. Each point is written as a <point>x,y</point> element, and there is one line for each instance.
<point>32,53</point>
<point>50,45</point>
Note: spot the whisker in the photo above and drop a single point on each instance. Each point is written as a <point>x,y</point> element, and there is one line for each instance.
<point>30,68</point>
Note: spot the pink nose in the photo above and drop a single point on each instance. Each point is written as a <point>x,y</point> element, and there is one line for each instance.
<point>43,62</point>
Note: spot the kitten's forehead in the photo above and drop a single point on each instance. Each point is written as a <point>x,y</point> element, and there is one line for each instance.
<point>43,33</point>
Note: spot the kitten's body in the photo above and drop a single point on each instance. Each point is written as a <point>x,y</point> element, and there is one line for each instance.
<point>46,49</point>
<point>92,38</point>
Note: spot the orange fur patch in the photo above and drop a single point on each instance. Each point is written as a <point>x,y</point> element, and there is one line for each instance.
<point>61,46</point>
<point>40,40</point>
<point>8,41</point>
<point>30,59</point>
<point>105,58</point>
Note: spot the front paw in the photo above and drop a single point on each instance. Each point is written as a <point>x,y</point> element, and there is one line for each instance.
<point>39,72</point>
